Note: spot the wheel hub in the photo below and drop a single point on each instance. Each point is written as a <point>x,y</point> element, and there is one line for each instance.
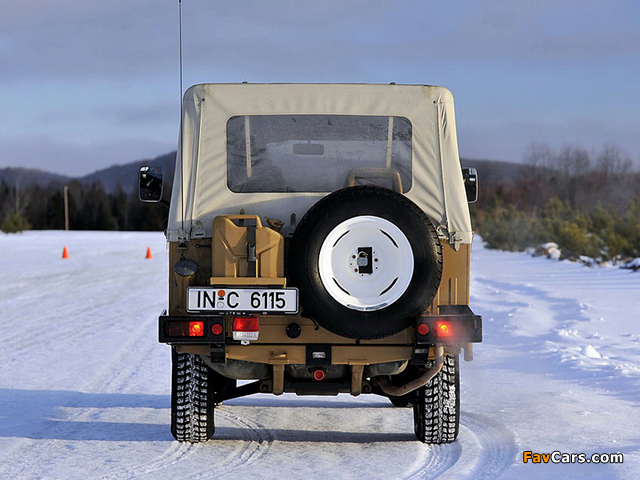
<point>366,263</point>
<point>364,260</point>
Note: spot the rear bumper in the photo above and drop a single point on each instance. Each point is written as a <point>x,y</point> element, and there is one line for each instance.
<point>283,363</point>
<point>455,325</point>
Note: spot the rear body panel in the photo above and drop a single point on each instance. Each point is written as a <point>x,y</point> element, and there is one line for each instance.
<point>232,224</point>
<point>274,346</point>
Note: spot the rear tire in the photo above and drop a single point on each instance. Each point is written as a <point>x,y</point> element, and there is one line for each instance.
<point>192,398</point>
<point>436,411</point>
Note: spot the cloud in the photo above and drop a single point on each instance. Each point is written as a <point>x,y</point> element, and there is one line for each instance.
<point>106,72</point>
<point>75,159</point>
<point>147,116</point>
<point>75,40</point>
<point>552,29</point>
<point>120,40</point>
<point>557,132</point>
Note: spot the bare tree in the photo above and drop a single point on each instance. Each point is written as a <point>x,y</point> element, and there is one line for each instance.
<point>573,161</point>
<point>612,161</point>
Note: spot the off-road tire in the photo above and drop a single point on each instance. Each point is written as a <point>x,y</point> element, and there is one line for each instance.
<point>436,411</point>
<point>192,402</point>
<point>373,204</point>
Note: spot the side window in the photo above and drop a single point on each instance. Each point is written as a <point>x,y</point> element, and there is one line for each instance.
<point>313,153</point>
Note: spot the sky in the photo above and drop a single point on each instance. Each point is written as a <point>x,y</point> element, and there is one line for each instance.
<point>86,85</point>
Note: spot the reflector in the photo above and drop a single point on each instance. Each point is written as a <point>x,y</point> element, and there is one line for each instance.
<point>216,329</point>
<point>423,329</point>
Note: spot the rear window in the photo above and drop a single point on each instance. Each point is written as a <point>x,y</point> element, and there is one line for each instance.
<point>314,153</point>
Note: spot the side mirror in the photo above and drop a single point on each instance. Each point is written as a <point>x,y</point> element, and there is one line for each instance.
<point>150,184</point>
<point>470,176</point>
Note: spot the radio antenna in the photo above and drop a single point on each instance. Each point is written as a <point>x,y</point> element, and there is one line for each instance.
<point>180,44</point>
<point>181,140</point>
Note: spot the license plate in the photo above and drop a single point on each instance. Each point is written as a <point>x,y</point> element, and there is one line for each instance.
<point>242,300</point>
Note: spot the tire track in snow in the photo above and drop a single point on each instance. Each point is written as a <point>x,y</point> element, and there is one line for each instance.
<point>437,460</point>
<point>484,450</point>
<point>258,441</point>
<point>123,368</point>
<point>121,372</point>
<point>66,311</point>
<point>176,453</point>
<point>255,442</point>
<point>66,321</point>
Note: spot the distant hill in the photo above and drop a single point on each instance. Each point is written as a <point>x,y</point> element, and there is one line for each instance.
<point>30,176</point>
<point>489,171</point>
<point>125,175</point>
<point>493,171</point>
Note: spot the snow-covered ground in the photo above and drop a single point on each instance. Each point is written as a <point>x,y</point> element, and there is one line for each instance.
<point>84,386</point>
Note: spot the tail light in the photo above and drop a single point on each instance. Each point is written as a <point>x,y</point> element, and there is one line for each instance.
<point>182,328</point>
<point>191,329</point>
<point>246,329</point>
<point>455,324</point>
<point>439,330</point>
<point>444,329</point>
<point>196,329</point>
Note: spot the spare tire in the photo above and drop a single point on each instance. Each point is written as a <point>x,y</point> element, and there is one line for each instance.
<point>366,261</point>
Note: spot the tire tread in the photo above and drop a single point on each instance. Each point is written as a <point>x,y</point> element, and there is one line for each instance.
<point>192,408</point>
<point>437,408</point>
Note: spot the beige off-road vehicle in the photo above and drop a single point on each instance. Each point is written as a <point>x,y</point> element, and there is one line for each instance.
<point>319,243</point>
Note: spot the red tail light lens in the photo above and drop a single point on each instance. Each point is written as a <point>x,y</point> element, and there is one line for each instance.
<point>246,324</point>
<point>443,329</point>
<point>183,328</point>
<point>246,328</point>
<point>196,329</point>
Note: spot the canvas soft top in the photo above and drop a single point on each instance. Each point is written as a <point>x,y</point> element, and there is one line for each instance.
<point>200,192</point>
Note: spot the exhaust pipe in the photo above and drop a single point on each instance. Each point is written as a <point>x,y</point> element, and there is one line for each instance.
<point>421,381</point>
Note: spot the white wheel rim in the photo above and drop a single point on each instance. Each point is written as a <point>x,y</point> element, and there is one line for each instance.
<point>391,263</point>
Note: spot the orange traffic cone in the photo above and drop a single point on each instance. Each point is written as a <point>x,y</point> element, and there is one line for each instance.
<point>65,253</point>
<point>149,256</point>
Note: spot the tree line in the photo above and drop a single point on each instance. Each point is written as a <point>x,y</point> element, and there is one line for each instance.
<point>91,207</point>
<point>586,203</point>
